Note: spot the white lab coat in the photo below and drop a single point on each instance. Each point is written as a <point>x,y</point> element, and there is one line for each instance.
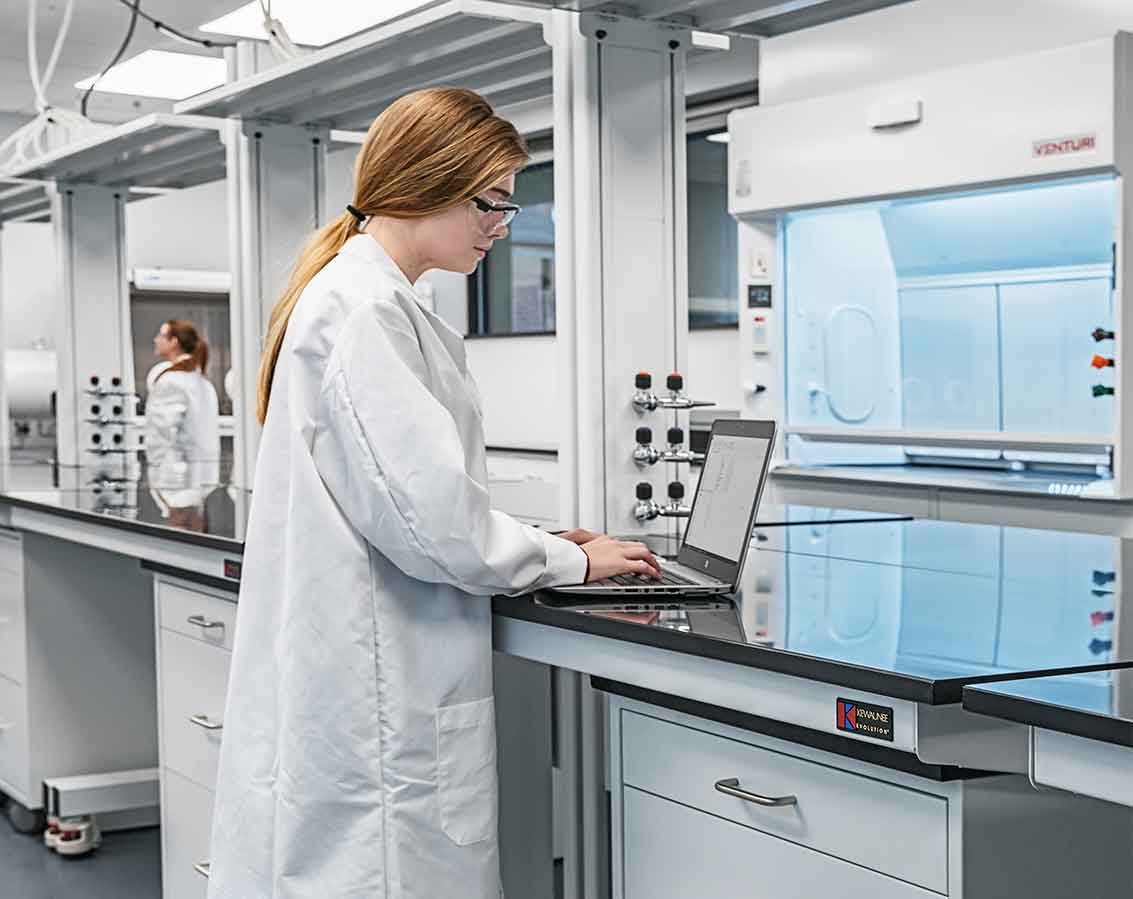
<point>359,755</point>
<point>182,432</point>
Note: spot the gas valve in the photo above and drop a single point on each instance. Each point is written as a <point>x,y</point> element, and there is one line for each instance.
<point>644,400</point>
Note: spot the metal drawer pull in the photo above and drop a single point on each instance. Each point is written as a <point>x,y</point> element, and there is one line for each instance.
<point>6,725</point>
<point>201,621</point>
<point>731,787</point>
<point>203,721</point>
<point>202,868</point>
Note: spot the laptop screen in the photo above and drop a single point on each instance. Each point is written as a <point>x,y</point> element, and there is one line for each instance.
<point>729,486</point>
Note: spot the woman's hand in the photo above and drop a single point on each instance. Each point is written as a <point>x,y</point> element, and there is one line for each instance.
<point>609,557</point>
<point>579,536</point>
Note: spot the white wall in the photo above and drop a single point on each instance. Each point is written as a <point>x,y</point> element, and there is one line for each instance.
<point>27,284</point>
<point>518,379</point>
<point>928,34</point>
<point>713,368</point>
<point>187,229</point>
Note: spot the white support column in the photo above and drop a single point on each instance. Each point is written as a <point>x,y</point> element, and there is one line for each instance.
<point>619,111</point>
<point>5,420</point>
<point>90,234</point>
<point>276,197</point>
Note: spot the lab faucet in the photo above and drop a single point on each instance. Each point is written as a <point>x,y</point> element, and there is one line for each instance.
<point>645,400</point>
<point>647,509</point>
<point>647,454</point>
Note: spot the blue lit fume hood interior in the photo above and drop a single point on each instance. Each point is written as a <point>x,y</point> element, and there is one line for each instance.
<point>960,314</point>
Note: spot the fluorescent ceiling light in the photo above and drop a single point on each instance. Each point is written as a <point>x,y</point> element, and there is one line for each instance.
<point>707,40</point>
<point>720,137</point>
<point>159,73</point>
<point>314,24</point>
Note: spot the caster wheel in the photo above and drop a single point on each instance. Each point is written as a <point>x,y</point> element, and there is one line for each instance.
<point>25,820</point>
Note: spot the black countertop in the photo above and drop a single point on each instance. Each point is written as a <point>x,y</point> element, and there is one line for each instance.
<point>910,609</point>
<point>1097,705</point>
<point>172,505</point>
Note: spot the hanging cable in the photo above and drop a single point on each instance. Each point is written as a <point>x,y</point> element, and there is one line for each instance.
<point>136,8</point>
<point>51,126</point>
<point>282,47</point>
<point>168,29</point>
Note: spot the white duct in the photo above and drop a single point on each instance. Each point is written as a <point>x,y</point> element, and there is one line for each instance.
<point>31,378</point>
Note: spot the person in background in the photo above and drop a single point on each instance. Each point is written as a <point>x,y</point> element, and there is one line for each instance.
<point>182,437</point>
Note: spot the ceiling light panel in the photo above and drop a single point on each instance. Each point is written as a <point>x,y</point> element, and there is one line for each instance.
<point>159,73</point>
<point>308,22</point>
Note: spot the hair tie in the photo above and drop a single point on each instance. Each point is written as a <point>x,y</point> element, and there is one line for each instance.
<point>358,214</point>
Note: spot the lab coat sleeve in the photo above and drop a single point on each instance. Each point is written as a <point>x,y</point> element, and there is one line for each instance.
<point>391,456</point>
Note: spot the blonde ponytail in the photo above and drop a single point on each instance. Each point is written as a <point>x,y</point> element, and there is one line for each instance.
<point>320,249</point>
<point>429,151</point>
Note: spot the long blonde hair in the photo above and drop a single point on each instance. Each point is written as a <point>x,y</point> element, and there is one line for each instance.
<point>427,152</point>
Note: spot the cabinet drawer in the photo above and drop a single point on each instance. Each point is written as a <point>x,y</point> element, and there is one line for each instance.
<point>194,679</point>
<point>888,828</point>
<point>14,764</point>
<point>13,632</point>
<point>186,824</point>
<point>673,852</point>
<point>178,604</point>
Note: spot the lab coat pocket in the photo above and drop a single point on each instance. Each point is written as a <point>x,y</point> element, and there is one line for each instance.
<point>466,770</point>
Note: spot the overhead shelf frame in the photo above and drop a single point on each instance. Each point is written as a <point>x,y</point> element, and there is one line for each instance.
<point>24,201</point>
<point>750,18</point>
<point>498,50</point>
<point>159,150</point>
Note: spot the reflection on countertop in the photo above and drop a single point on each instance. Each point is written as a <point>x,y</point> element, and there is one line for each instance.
<point>907,608</point>
<point>182,499</point>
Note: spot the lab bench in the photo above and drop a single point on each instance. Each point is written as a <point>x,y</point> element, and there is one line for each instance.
<point>706,704</point>
<point>1080,728</point>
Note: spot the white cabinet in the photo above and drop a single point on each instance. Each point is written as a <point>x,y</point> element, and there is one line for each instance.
<point>674,852</point>
<point>77,690</point>
<point>14,773</point>
<point>186,821</point>
<point>894,830</point>
<point>196,628</point>
<point>844,827</point>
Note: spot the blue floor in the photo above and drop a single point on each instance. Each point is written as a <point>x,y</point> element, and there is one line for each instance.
<point>126,866</point>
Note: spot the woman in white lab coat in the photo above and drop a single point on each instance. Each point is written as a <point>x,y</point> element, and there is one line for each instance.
<point>182,418</point>
<point>359,755</point>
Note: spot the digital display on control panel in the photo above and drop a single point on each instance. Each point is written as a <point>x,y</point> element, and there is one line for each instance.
<point>759,296</point>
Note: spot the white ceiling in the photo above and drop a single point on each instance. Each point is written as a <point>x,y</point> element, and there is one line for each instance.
<point>96,31</point>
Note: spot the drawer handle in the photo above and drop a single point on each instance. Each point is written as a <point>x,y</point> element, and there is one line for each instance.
<point>203,721</point>
<point>6,725</point>
<point>201,621</point>
<point>731,787</point>
<point>203,868</point>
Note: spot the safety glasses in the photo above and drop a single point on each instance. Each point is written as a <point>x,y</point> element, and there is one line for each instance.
<point>506,211</point>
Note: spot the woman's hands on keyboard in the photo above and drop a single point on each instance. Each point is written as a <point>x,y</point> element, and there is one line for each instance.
<point>579,536</point>
<point>609,557</point>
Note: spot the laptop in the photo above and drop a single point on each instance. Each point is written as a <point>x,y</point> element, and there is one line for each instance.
<point>718,534</point>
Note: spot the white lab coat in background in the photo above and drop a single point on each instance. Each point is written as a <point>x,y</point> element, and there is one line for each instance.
<point>182,431</point>
<point>359,750</point>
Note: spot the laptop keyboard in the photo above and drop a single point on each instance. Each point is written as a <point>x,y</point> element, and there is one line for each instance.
<point>645,580</point>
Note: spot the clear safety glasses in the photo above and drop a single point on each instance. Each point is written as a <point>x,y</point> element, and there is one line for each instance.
<point>505,211</point>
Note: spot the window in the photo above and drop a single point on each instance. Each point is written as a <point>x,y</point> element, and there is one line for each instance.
<point>513,291</point>
<point>712,237</point>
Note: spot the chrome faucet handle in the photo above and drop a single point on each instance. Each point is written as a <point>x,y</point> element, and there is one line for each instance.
<point>645,509</point>
<point>645,453</point>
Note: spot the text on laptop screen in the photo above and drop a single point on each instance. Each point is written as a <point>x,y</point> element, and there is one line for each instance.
<point>728,486</point>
